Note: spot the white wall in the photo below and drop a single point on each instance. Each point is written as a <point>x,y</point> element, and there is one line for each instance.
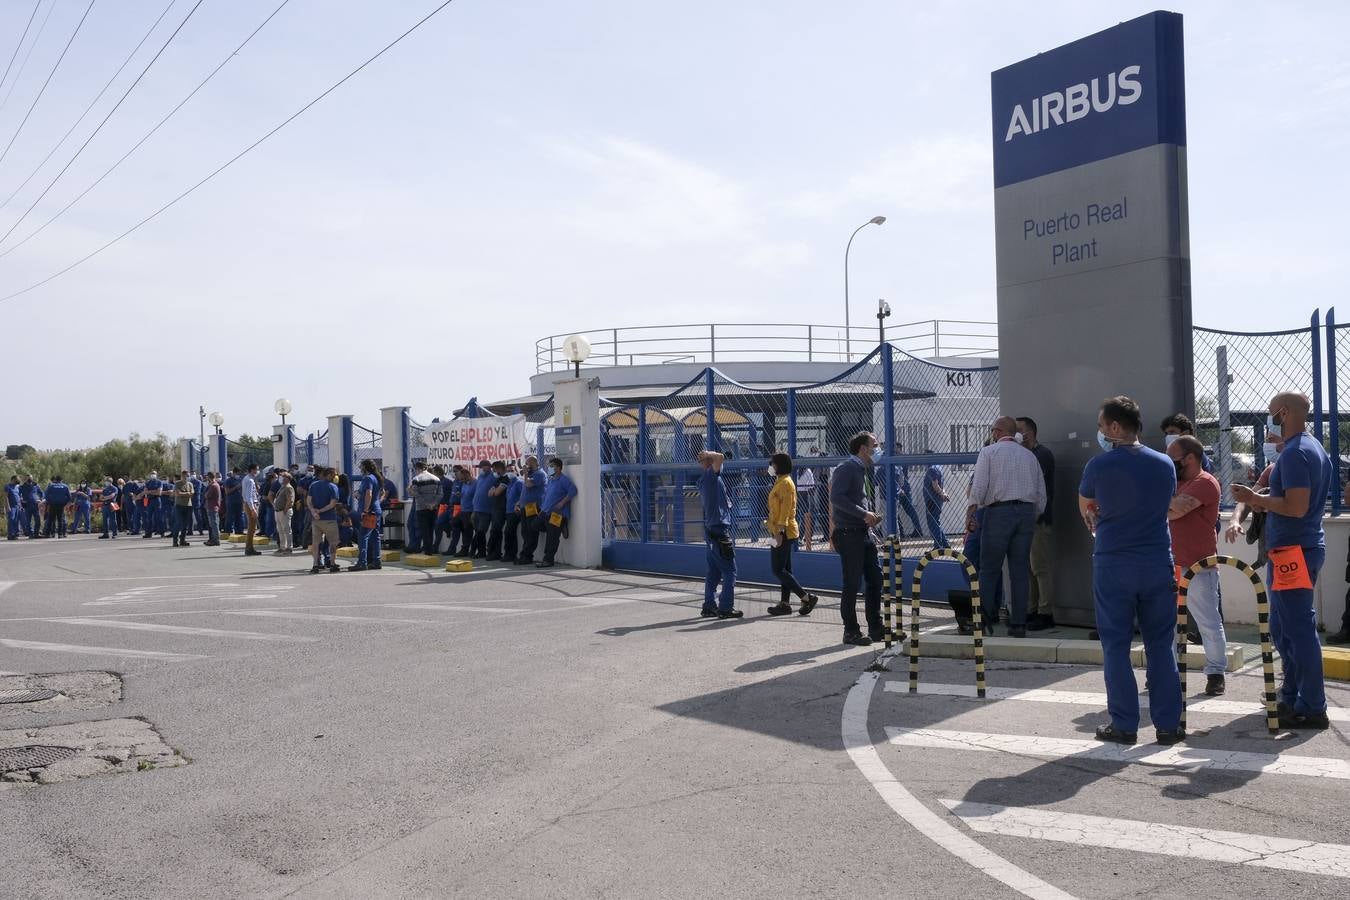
<point>1239,602</point>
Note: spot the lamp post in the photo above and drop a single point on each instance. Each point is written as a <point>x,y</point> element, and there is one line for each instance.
<point>848,336</point>
<point>577,350</point>
<point>201,420</point>
<point>883,313</point>
<point>216,420</point>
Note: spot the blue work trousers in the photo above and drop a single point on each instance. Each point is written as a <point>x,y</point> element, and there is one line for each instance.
<point>1005,533</point>
<point>234,517</point>
<point>721,559</point>
<point>133,509</point>
<point>907,507</point>
<point>109,521</point>
<point>934,511</point>
<point>12,522</point>
<point>1293,630</point>
<point>1124,592</point>
<point>83,516</point>
<point>368,547</point>
<point>30,510</point>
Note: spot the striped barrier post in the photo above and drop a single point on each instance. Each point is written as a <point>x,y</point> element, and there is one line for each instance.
<point>977,616</point>
<point>889,597</point>
<point>1262,620</point>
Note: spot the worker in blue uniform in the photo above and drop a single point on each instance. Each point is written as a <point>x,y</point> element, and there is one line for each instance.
<point>30,495</point>
<point>234,502</point>
<point>530,502</point>
<point>461,529</point>
<point>482,508</point>
<point>366,509</point>
<point>131,504</point>
<point>558,497</point>
<point>83,511</point>
<point>720,552</point>
<point>12,507</point>
<point>108,498</point>
<point>1123,498</point>
<point>515,514</point>
<point>57,495</point>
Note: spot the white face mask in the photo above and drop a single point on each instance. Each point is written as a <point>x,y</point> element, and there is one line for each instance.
<point>772,471</point>
<point>1170,439</point>
<point>1018,437</point>
<point>1270,452</point>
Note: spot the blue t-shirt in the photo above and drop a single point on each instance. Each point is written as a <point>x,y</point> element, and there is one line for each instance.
<point>29,490</point>
<point>322,493</point>
<point>1302,464</point>
<point>466,492</point>
<point>482,500</point>
<point>1133,487</point>
<point>109,494</point>
<point>933,474</point>
<point>82,499</point>
<point>234,497</point>
<point>559,488</point>
<point>534,488</point>
<point>12,494</point>
<point>368,489</point>
<point>514,491</point>
<point>716,504</point>
<point>58,493</point>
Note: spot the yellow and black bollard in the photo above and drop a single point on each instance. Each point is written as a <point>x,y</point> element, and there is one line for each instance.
<point>1263,623</point>
<point>977,616</point>
<point>889,596</point>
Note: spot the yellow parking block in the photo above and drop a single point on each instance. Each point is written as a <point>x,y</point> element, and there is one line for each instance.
<point>1336,663</point>
<point>422,559</point>
<point>260,541</point>
<point>348,552</point>
<point>237,539</point>
<point>459,565</point>
<point>390,556</point>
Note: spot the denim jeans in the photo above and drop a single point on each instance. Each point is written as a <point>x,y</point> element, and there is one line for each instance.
<point>368,547</point>
<point>1122,593</point>
<point>907,507</point>
<point>1293,629</point>
<point>721,569</point>
<point>182,524</point>
<point>858,559</point>
<point>1006,532</point>
<point>780,559</point>
<point>995,591</point>
<point>1202,602</point>
<point>934,511</point>
<point>213,526</point>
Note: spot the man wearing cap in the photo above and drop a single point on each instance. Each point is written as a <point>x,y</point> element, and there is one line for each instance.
<point>482,508</point>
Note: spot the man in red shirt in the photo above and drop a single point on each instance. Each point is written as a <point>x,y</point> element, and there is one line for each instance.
<point>1192,516</point>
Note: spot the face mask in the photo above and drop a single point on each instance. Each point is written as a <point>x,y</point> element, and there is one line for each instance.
<point>556,471</point>
<point>1170,439</point>
<point>1269,452</point>
<point>1181,470</point>
<point>772,471</point>
<point>1018,437</point>
<point>1104,442</point>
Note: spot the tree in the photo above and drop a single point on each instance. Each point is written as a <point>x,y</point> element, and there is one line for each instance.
<point>132,458</point>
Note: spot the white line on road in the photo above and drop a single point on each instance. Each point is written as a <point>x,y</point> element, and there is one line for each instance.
<point>1292,855</point>
<point>858,743</point>
<point>110,601</point>
<point>177,629</point>
<point>278,614</point>
<point>451,607</point>
<point>97,651</point>
<point>1089,698</point>
<point>5,585</point>
<point>1178,756</point>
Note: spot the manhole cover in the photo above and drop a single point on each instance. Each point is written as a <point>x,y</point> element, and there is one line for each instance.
<point>25,696</point>
<point>33,757</point>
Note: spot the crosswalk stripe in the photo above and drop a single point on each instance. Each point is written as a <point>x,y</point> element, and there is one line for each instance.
<point>1178,756</point>
<point>1289,854</point>
<point>178,629</point>
<point>1090,698</point>
<point>278,614</point>
<point>97,651</point>
<point>451,607</point>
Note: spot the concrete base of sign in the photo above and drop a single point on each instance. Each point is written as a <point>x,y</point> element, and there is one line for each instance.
<point>1051,650</point>
<point>459,565</point>
<point>348,552</point>
<point>422,559</point>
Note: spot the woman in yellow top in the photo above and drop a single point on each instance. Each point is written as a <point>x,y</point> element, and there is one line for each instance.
<point>783,533</point>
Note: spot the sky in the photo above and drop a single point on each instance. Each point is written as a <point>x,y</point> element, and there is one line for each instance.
<point>519,169</point>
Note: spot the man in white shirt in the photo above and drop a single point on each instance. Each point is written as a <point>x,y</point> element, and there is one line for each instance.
<point>1009,488</point>
<point>249,491</point>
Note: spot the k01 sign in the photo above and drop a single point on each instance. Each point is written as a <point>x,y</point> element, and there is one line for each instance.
<point>468,441</point>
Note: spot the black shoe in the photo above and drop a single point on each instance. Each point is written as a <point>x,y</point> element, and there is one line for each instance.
<point>175,543</point>
<point>1017,631</point>
<point>253,553</point>
<point>492,559</point>
<point>184,544</point>
<point>707,612</point>
<point>335,568</point>
<point>1168,738</point>
<point>101,537</point>
<point>1193,637</point>
<point>965,626</point>
<point>779,609</point>
<point>374,567</point>
<point>1294,720</point>
<point>1214,686</point>
<point>1092,635</point>
<point>1340,637</point>
<point>523,561</point>
<point>1108,733</point>
<point>543,565</point>
<point>808,604</point>
<point>315,570</point>
<point>1038,623</point>
<point>359,567</point>
<point>730,614</point>
<point>856,639</point>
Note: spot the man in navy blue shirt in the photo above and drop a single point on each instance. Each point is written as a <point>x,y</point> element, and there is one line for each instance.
<point>558,497</point>
<point>365,510</point>
<point>496,536</point>
<point>852,519</point>
<point>531,504</point>
<point>12,506</point>
<point>58,495</point>
<point>108,498</point>
<point>461,529</point>
<point>234,503</point>
<point>1299,485</point>
<point>1123,499</point>
<point>514,514</point>
<point>721,553</point>
<point>30,495</point>
<point>482,508</point>
<point>934,496</point>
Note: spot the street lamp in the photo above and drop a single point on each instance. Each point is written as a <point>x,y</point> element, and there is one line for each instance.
<point>216,420</point>
<point>577,350</point>
<point>848,337</point>
<point>201,420</point>
<point>883,313</point>
<point>282,408</point>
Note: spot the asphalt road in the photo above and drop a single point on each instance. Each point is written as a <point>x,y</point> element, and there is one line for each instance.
<point>520,733</point>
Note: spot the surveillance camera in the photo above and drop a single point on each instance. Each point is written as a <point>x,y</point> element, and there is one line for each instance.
<point>883,308</point>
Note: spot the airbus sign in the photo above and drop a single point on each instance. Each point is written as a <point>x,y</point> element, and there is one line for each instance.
<point>1076,101</point>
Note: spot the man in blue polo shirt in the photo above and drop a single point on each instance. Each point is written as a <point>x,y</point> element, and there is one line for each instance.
<point>461,528</point>
<point>1299,486</point>
<point>58,495</point>
<point>721,553</point>
<point>1123,498</point>
<point>321,500</point>
<point>30,495</point>
<point>12,506</point>
<point>531,502</point>
<point>514,514</point>
<point>558,496</point>
<point>234,503</point>
<point>482,508</point>
<point>108,497</point>
<point>365,506</point>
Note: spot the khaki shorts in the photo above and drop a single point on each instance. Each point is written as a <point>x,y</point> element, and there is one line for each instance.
<point>325,528</point>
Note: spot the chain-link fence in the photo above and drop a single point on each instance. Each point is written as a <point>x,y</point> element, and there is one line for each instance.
<point>366,444</point>
<point>241,456</point>
<point>936,420</point>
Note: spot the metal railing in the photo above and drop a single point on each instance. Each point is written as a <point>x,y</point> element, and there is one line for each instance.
<point>760,342</point>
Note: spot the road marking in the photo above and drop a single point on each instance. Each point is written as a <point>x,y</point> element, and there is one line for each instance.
<point>451,607</point>
<point>177,629</point>
<point>1089,698</point>
<point>1178,756</point>
<point>107,601</point>
<point>97,651</point>
<point>278,614</point>
<point>1292,855</point>
<point>858,743</point>
<point>6,585</point>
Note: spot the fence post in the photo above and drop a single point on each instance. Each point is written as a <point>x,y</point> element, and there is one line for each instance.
<point>792,423</point>
<point>712,343</point>
<point>1225,441</point>
<point>810,343</point>
<point>1334,406</point>
<point>888,439</point>
<point>710,410</point>
<point>309,448</point>
<point>341,454</point>
<point>1316,332</point>
<point>644,479</point>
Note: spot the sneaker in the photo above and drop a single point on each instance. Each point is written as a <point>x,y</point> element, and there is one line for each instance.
<point>101,537</point>
<point>335,568</point>
<point>730,614</point>
<point>965,627</point>
<point>1340,637</point>
<point>779,609</point>
<point>1214,686</point>
<point>707,612</point>
<point>1296,720</point>
<point>857,639</point>
<point>315,570</point>
<point>359,567</point>
<point>808,604</point>
<point>1168,738</point>
<point>1111,735</point>
<point>253,553</point>
<point>543,565</point>
<point>184,544</point>
<point>1193,637</point>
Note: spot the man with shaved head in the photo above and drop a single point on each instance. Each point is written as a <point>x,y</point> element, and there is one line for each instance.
<point>1009,489</point>
<point>1297,546</point>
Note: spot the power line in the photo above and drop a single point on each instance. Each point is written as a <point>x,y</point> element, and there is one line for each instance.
<point>136,146</point>
<point>29,55</point>
<point>43,90</point>
<point>19,45</point>
<point>93,134</point>
<point>238,156</point>
<point>92,103</point>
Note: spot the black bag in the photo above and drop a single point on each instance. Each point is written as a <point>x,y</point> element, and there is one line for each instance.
<point>1256,526</point>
